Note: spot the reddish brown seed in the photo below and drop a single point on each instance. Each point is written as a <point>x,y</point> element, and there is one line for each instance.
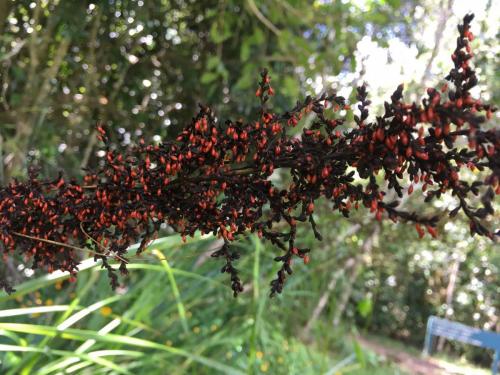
<point>404,138</point>
<point>306,259</point>
<point>325,172</point>
<point>432,231</point>
<point>420,231</point>
<point>205,163</point>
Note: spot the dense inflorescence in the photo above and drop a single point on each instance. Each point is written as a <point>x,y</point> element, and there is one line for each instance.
<point>215,177</point>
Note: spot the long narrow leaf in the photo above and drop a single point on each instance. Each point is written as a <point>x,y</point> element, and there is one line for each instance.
<point>95,358</point>
<point>32,310</point>
<point>86,311</point>
<point>175,289</point>
<point>81,335</point>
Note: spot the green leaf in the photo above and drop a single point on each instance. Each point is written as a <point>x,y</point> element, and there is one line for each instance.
<point>88,310</point>
<point>32,310</point>
<point>360,355</point>
<point>247,76</point>
<point>92,357</point>
<point>82,335</point>
<point>213,63</point>
<point>219,34</point>
<point>245,50</point>
<point>394,3</point>
<point>258,37</point>
<point>208,77</point>
<point>365,307</point>
<point>175,289</point>
<point>291,87</point>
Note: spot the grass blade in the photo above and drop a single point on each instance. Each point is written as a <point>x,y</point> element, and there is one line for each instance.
<point>175,289</point>
<point>32,310</point>
<point>86,311</point>
<point>82,335</point>
<point>94,359</point>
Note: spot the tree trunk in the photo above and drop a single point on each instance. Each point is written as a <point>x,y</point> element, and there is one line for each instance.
<point>366,249</point>
<point>4,14</point>
<point>29,113</point>
<point>449,295</point>
<point>325,297</point>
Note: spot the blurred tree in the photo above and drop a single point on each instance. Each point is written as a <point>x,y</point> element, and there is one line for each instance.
<point>142,67</point>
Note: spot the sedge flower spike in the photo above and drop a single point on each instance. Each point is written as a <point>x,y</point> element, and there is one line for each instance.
<point>215,177</point>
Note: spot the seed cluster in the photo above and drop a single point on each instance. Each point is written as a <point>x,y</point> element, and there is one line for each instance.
<point>215,177</point>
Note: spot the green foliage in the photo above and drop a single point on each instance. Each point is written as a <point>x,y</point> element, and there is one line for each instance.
<point>175,312</point>
<point>142,68</point>
<point>172,315</point>
<point>365,307</point>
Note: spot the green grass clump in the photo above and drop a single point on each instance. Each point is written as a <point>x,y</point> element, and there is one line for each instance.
<point>175,314</point>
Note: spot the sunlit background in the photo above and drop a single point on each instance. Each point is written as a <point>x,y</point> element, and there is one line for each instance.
<point>141,67</point>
